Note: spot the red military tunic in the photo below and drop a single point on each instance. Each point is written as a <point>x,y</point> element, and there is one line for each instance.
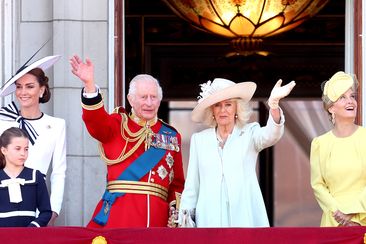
<point>132,209</point>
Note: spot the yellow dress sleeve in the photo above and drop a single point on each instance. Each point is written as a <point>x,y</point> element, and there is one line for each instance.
<point>317,161</point>
<point>361,216</point>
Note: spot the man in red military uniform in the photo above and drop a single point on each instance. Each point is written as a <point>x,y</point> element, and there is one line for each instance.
<point>142,153</point>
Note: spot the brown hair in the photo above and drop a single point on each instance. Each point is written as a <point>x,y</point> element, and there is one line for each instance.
<point>5,140</point>
<point>43,81</point>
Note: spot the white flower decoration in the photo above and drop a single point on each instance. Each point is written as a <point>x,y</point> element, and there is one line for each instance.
<point>206,90</point>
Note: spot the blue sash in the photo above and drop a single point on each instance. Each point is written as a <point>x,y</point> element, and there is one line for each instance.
<point>134,172</point>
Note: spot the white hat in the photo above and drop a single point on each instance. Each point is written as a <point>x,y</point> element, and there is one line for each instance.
<point>43,64</point>
<point>221,90</point>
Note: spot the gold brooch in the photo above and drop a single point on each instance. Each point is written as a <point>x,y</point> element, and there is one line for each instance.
<point>99,240</point>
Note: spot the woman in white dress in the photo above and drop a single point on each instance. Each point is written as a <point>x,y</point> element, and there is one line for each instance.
<point>221,188</point>
<point>47,134</point>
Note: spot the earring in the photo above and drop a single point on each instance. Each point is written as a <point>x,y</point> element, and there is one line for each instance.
<point>41,95</point>
<point>333,118</point>
<point>213,117</point>
<point>236,116</point>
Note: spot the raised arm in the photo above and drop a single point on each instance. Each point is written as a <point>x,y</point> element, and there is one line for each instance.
<point>84,71</point>
<point>278,92</point>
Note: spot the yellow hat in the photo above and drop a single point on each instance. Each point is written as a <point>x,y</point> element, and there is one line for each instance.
<point>337,85</point>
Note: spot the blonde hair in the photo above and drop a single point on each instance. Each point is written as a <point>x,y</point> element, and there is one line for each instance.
<point>243,112</point>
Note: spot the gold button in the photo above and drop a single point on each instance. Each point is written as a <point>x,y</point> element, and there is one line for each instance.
<point>152,180</point>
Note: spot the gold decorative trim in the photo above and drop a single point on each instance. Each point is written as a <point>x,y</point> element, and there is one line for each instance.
<point>142,122</point>
<point>178,196</point>
<point>142,135</point>
<point>92,107</point>
<point>115,110</point>
<point>172,203</point>
<point>137,187</point>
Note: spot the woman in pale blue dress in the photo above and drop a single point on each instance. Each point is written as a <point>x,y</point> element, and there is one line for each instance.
<point>221,188</point>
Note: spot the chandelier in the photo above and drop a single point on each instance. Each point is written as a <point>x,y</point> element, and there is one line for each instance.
<point>246,22</point>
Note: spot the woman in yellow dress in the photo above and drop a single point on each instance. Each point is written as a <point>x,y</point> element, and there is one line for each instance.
<point>338,157</point>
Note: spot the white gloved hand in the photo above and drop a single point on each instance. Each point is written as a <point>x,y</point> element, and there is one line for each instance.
<point>278,92</point>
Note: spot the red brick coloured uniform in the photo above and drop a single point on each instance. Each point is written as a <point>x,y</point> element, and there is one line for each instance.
<point>132,209</point>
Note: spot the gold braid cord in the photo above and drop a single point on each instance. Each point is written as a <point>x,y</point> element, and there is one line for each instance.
<point>144,134</point>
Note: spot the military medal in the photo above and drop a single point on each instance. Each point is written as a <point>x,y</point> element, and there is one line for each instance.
<point>169,160</point>
<point>171,176</point>
<point>106,208</point>
<point>165,141</point>
<point>162,172</point>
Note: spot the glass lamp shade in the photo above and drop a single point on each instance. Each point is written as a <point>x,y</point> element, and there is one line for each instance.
<point>246,22</point>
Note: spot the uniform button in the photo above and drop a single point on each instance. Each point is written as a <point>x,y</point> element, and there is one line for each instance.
<point>152,180</point>
<point>153,172</point>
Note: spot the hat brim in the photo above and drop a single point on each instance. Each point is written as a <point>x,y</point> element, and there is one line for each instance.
<point>243,91</point>
<point>44,63</point>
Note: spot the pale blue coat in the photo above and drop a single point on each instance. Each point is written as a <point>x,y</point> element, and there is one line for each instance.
<point>203,184</point>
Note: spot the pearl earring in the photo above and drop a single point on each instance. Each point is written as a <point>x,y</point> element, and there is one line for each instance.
<point>41,95</point>
<point>236,116</point>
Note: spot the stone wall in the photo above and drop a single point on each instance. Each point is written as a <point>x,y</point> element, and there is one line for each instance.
<point>76,27</point>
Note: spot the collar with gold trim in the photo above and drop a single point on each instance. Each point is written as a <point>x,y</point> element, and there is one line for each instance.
<point>142,122</point>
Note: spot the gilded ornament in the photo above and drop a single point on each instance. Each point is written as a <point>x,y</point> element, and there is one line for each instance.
<point>99,240</point>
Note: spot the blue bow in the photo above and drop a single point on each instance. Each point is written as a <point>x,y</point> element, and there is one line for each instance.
<point>11,112</point>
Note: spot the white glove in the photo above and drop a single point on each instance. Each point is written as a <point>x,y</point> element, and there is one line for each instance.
<point>187,218</point>
<point>278,92</point>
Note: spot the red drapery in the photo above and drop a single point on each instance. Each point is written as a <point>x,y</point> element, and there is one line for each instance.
<point>283,235</point>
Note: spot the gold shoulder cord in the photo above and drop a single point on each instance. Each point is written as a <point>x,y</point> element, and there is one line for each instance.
<point>144,134</point>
